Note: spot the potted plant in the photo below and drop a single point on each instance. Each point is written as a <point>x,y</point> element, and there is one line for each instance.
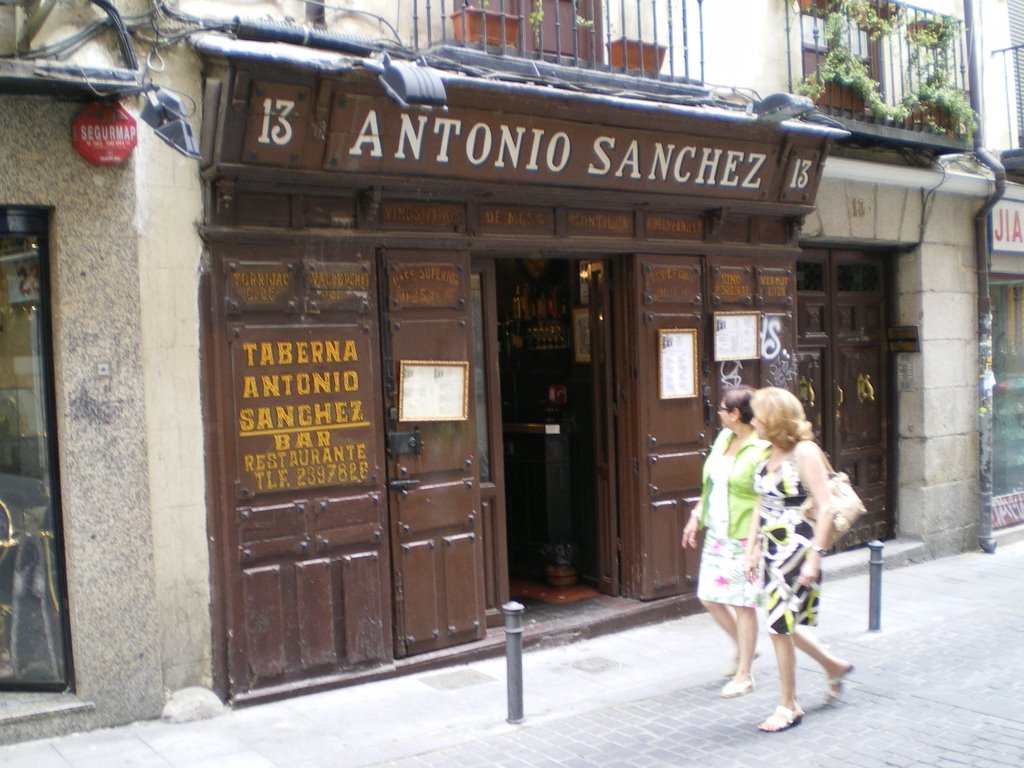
<point>933,32</point>
<point>475,22</point>
<point>560,563</point>
<point>944,108</point>
<point>844,77</point>
<point>626,53</point>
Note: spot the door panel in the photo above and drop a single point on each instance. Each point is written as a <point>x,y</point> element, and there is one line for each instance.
<point>434,491</point>
<point>361,596</point>
<point>672,422</point>
<point>296,427</point>
<point>604,398</point>
<point>313,589</point>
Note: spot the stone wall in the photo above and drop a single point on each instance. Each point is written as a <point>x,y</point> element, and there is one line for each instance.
<point>101,419</point>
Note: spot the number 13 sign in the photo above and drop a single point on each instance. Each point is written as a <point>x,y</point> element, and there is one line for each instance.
<point>276,129</point>
<point>802,175</point>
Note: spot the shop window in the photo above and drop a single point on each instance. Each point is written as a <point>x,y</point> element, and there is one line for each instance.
<point>1008,395</point>
<point>33,627</point>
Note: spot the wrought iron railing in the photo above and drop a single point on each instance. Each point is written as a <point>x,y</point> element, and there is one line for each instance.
<point>644,38</point>
<point>1013,77</point>
<point>882,63</point>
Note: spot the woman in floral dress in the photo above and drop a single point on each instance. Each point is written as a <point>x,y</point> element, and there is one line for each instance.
<point>789,548</point>
<point>724,511</point>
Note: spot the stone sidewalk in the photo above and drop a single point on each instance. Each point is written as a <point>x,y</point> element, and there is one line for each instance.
<point>941,685</point>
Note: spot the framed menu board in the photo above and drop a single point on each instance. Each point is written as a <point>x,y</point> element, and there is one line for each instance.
<point>433,390</point>
<point>737,335</point>
<point>677,363</point>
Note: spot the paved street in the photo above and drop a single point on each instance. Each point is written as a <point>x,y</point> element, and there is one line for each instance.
<point>941,685</point>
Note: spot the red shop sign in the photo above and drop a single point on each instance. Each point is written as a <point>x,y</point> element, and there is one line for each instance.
<point>104,133</point>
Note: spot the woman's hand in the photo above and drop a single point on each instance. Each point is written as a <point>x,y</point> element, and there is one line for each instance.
<point>690,532</point>
<point>811,569</point>
<point>752,563</point>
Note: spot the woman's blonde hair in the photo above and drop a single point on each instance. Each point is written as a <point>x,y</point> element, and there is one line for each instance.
<point>780,417</point>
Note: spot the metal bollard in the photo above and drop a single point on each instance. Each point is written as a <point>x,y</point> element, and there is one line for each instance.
<point>875,602</point>
<point>514,658</point>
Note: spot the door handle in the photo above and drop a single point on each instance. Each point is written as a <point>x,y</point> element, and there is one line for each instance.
<point>807,392</point>
<point>865,391</point>
<point>403,485</point>
<point>840,399</point>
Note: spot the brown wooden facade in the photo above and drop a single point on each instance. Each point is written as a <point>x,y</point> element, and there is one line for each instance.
<point>379,390</point>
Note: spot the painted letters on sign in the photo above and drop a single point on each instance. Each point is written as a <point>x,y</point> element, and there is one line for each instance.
<point>300,419</point>
<point>1007,226</point>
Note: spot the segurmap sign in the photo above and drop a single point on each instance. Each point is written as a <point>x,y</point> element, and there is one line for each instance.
<point>104,133</point>
<point>368,135</point>
<point>1007,226</point>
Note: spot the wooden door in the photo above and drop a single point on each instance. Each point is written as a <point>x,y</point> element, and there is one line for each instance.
<point>860,421</point>
<point>301,542</point>
<point>843,374</point>
<point>433,485</point>
<point>603,398</point>
<point>666,433</point>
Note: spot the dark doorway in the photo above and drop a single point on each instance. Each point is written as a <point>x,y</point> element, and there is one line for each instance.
<point>547,409</point>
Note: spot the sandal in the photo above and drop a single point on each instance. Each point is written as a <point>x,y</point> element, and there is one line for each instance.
<point>733,689</point>
<point>781,719</point>
<point>835,686</point>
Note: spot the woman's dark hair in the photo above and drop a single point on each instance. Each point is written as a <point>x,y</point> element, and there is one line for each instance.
<point>739,398</point>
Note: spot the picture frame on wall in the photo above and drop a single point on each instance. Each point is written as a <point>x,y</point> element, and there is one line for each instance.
<point>581,334</point>
<point>433,390</point>
<point>737,335</point>
<point>677,363</point>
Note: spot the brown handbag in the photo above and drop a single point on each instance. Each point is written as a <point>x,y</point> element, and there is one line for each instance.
<point>846,505</point>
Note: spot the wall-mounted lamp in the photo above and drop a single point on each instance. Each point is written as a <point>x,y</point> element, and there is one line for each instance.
<point>166,113</point>
<point>409,84</point>
<point>777,107</point>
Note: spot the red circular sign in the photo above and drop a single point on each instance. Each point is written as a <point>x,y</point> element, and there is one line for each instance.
<point>104,133</point>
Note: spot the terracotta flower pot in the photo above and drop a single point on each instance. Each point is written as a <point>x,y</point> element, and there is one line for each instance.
<point>636,54</point>
<point>471,28</point>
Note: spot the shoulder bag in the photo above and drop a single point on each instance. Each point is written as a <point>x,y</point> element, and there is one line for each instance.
<point>846,505</point>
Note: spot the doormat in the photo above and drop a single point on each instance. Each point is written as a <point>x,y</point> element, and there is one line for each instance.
<point>533,590</point>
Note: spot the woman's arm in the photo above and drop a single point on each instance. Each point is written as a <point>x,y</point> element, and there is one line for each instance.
<point>693,524</point>
<point>810,463</point>
<point>752,552</point>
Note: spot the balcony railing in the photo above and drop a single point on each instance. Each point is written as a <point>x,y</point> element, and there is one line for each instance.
<point>1013,76</point>
<point>644,38</point>
<point>883,68</point>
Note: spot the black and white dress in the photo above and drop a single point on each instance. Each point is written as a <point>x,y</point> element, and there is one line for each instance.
<point>785,541</point>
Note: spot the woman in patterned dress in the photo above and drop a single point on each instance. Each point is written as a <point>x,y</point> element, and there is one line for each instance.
<point>724,511</point>
<point>789,548</point>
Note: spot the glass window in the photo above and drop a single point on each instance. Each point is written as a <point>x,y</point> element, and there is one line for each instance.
<point>32,607</point>
<point>1008,395</point>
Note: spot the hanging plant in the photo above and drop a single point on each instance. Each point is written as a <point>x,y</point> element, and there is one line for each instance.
<point>934,32</point>
<point>842,67</point>
<point>937,90</point>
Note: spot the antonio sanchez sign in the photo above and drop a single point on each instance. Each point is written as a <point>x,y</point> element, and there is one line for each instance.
<point>374,136</point>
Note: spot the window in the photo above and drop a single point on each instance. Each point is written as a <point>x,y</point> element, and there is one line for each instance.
<point>33,628</point>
